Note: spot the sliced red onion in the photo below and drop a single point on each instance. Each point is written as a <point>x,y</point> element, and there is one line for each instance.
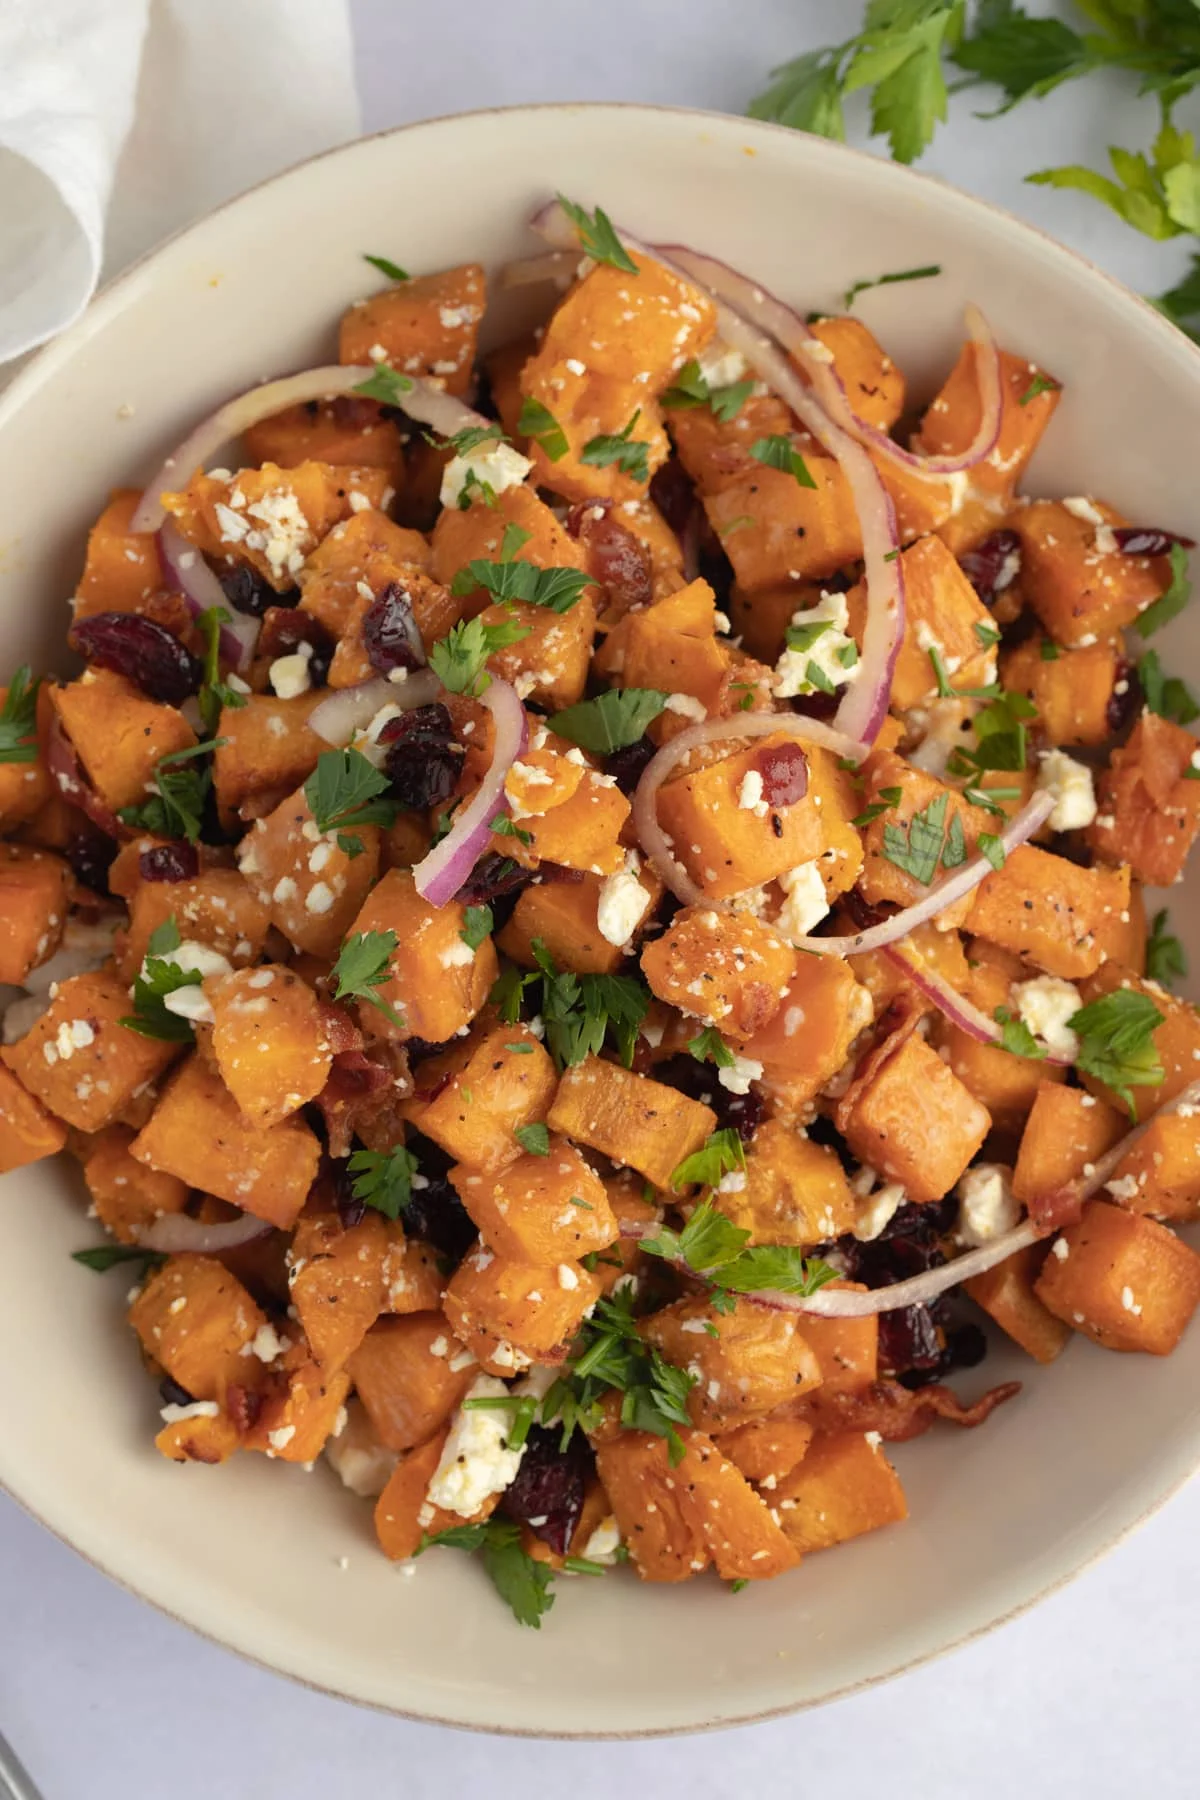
<point>347,710</point>
<point>788,328</point>
<point>174,1233</point>
<point>650,833</point>
<point>963,881</point>
<point>918,1290</point>
<point>528,271</point>
<point>420,400</point>
<point>864,703</point>
<point>188,569</point>
<point>953,1005</point>
<point>438,876</point>
<point>63,765</point>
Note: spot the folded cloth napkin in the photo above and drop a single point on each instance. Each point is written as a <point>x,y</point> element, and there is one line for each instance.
<point>121,120</point>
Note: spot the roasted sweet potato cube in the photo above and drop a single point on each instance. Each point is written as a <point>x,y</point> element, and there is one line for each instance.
<point>27,1131</point>
<point>1048,909</point>
<point>549,665</point>
<point>301,1410</point>
<point>1125,1281</point>
<point>427,326</point>
<point>480,1094</point>
<point>1123,935</point>
<point>198,1132</point>
<point>126,1195</point>
<point>884,880</point>
<point>847,1350</point>
<point>874,385</point>
<point>648,1126</point>
<point>269,1041</point>
<point>1066,1129</point>
<point>1161,1173</point>
<point>502,367</point>
<point>367,549</point>
<point>909,1116</point>
<point>765,1450</point>
<point>336,1281</point>
<point>511,1314</point>
<point>1074,576</point>
<point>673,645</point>
<point>884,977</point>
<point>746,1361</point>
<point>118,735</point>
<point>35,891</point>
<point>410,1375</point>
<point>205,1434</point>
<point>1006,1084</point>
<point>922,503</point>
<point>412,1274</point>
<point>357,1457</point>
<point>1006,1294</point>
<point>800,533</point>
<point>265,748</point>
<point>311,887</point>
<point>582,833</point>
<point>436,982</point>
<point>477,534</point>
<point>195,1319</point>
<point>564,917</point>
<point>844,1486</point>
<point>942,613</point>
<point>79,1060</point>
<point>540,1209</point>
<point>272,518</point>
<point>952,418</point>
<point>716,452</point>
<point>626,1193</point>
<point>403,1516</point>
<point>1176,1040</point>
<point>822,1008</point>
<point>217,907</point>
<point>740,1531</point>
<point>122,567</point>
<point>792,1191</point>
<point>434,608</point>
<point>26,788</point>
<point>349,431</point>
<point>1072,689</point>
<point>1148,804</point>
<point>648,1499</point>
<point>728,969</point>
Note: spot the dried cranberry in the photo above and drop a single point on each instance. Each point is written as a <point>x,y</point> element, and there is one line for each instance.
<point>863,915</point>
<point>547,1494</point>
<point>1146,540</point>
<point>424,757</point>
<point>284,630</point>
<point>173,1394</point>
<point>496,879</point>
<point>142,650</point>
<point>672,492</point>
<point>923,1224</point>
<point>389,630</point>
<point>91,855</point>
<point>784,771</point>
<point>435,1211</point>
<point>628,766</point>
<point>1125,701</point>
<point>350,1209</point>
<point>618,560</point>
<point>169,862</point>
<point>909,1339</point>
<point>249,592</point>
<point>698,1080</point>
<point>984,566</point>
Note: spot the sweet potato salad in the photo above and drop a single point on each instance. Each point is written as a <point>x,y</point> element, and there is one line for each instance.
<point>582,916</point>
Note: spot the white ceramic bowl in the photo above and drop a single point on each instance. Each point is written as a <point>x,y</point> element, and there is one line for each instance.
<point>249,1554</point>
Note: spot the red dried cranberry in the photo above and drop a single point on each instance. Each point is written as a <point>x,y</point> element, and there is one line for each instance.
<point>285,629</point>
<point>619,561</point>
<point>249,592</point>
<point>424,757</point>
<point>142,650</point>
<point>547,1494</point>
<point>784,771</point>
<point>493,878</point>
<point>628,766</point>
<point>169,862</point>
<point>389,630</point>
<point>435,1212</point>
<point>672,492</point>
<point>174,1394</point>
<point>1146,540</point>
<point>91,855</point>
<point>1125,701</point>
<point>909,1339</point>
<point>984,565</point>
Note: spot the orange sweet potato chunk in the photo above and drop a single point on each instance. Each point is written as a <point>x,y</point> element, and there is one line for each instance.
<point>1066,1129</point>
<point>349,431</point>
<point>368,547</point>
<point>410,1375</point>
<point>564,917</point>
<point>952,419</point>
<point>1079,588</point>
<point>909,1116</point>
<point>217,908</point>
<point>477,534</point>
<point>1006,1084</point>
<point>765,1450</point>
<point>1148,805</point>
<point>942,611</point>
<point>800,533</point>
<point>336,1281</point>
<point>267,749</point>
<point>200,1342</point>
<point>1049,910</point>
<point>844,1486</point>
<point>480,1093</point>
<point>847,1350</point>
<point>746,1361</point>
<point>581,833</point>
<point>80,1061</point>
<point>122,568</point>
<point>198,1132</point>
<point>434,609</point>
<point>435,982</point>
<point>27,1131</point>
<point>673,645</point>
<point>630,1118</point>
<point>821,1010</point>
<point>511,1314</point>
<point>794,1190</point>
<point>126,1195</point>
<point>269,1041</point>
<point>664,1536</point>
<point>1072,690</point>
<point>403,1516</point>
<point>310,885</point>
<point>426,326</point>
<point>1125,1281</point>
<point>302,1408</point>
<point>540,1209</point>
<point>35,890</point>
<point>26,787</point>
<point>1006,1294</point>
<point>118,735</point>
<point>272,518</point>
<point>728,969</point>
<point>1161,1173</point>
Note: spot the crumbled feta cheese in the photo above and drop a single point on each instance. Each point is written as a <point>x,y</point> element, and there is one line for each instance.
<point>281,1437</point>
<point>457,955</point>
<point>687,706</point>
<point>987,1208</point>
<point>567,1278</point>
<point>475,1461</point>
<point>196,1409</point>
<point>1125,1187</point>
<point>805,900</point>
<point>494,464</point>
<point>622,903</point>
<point>363,1467</point>
<point>1128,1302</point>
<point>290,675</point>
<point>877,1210</point>
<point>1079,508</point>
<point>720,366</point>
<point>1044,1005</point>
<point>605,1541</point>
<point>1061,1249</point>
<point>319,898</point>
<point>739,1074</point>
<point>825,652</point>
<point>266,1344</point>
<point>750,794</point>
<point>1071,784</point>
<point>192,1004</point>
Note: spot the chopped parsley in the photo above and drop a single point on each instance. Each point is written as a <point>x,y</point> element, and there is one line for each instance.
<point>110,1256</point>
<point>345,790</point>
<point>1001,737</point>
<point>18,718</point>
<point>477,926</point>
<point>458,659</point>
<point>691,388</point>
<point>918,846</point>
<point>612,721</point>
<point>472,437</point>
<point>1166,960</point>
<point>386,385</point>
<point>712,1246</point>
<point>539,423</point>
<point>718,1156</point>
<point>363,965</point>
<point>176,808</point>
<point>860,287</point>
<point>992,847</point>
<point>557,589</point>
<point>987,634</point>
<point>611,1354</point>
<point>1049,650</point>
<point>1016,1037</point>
<point>214,693</point>
<point>503,826</point>
<point>387,267</point>
<point>629,454</point>
<point>888,797</point>
<point>1116,1041</point>
<point>709,1046</point>
<point>1165,695</point>
<point>1041,384</point>
<point>533,1139</point>
<point>158,977</point>
<point>579,1011</point>
<point>383,1179</point>
<point>1171,603</point>
<point>525,1584</point>
<point>779,452</point>
<point>597,237</point>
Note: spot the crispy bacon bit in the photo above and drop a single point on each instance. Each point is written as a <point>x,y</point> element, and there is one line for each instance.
<point>619,561</point>
<point>897,1412</point>
<point>243,1405</point>
<point>358,1090</point>
<point>339,1030</point>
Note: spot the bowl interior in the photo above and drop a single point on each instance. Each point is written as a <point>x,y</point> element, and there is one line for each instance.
<point>251,1555</point>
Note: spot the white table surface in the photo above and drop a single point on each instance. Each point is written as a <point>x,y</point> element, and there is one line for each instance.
<point>1091,1694</point>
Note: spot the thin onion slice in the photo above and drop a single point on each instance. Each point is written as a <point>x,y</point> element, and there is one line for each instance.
<point>189,571</point>
<point>864,703</point>
<point>420,400</point>
<point>344,711</point>
<point>529,271</point>
<point>650,833</point>
<point>963,881</point>
<point>953,1005</point>
<point>1063,1205</point>
<point>175,1233</point>
<point>438,876</point>
<point>786,326</point>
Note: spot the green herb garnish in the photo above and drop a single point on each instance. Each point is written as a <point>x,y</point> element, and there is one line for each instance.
<point>597,238</point>
<point>383,1178</point>
<point>1166,960</point>
<point>345,790</point>
<point>458,659</point>
<point>477,926</point>
<point>18,718</point>
<point>1116,1041</point>
<point>363,965</point>
<point>384,264</point>
<point>629,454</point>
<point>612,721</point>
<point>539,423</point>
<point>779,452</point>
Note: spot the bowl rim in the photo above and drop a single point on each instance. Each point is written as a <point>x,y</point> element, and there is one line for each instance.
<point>50,358</point>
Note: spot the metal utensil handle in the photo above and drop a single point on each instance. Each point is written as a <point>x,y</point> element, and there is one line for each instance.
<point>16,1783</point>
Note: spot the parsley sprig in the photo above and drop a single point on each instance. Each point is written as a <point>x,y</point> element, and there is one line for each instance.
<point>1116,1041</point>
<point>918,846</point>
<point>539,423</point>
<point>525,1584</point>
<point>779,452</point>
<point>458,659</point>
<point>620,448</point>
<point>609,1355</point>
<point>182,786</point>
<point>155,980</point>
<point>709,1046</point>
<point>214,693</point>
<point>719,1155</point>
<point>1165,694</point>
<point>18,718</point>
<point>387,267</point>
<point>713,1247</point>
<point>363,965</point>
<point>597,237</point>
<point>558,589</point>
<point>691,388</point>
<point>383,1178</point>
<point>345,790</point>
<point>612,721</point>
<point>578,1011</point>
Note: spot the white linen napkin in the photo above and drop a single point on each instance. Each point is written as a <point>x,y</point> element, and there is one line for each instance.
<point>121,120</point>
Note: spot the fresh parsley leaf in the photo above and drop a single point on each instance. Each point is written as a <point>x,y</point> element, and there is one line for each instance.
<point>557,588</point>
<point>458,659</point>
<point>1166,961</point>
<point>610,1354</point>
<point>472,437</point>
<point>479,922</point>
<point>860,287</point>
<point>386,385</point>
<point>1027,58</point>
<point>888,797</point>
<point>712,1246</point>
<point>1048,650</point>
<point>803,637</point>
<point>363,965</point>
<point>579,1011</point>
<point>990,846</point>
<point>1165,695</point>
<point>110,1256</point>
<point>1171,603</point>
<point>384,264</point>
<point>691,388</point>
<point>780,1266</point>
<point>919,845</point>
<point>899,56</point>
<point>18,718</point>
<point>214,693</point>
<point>345,790</point>
<point>597,238</point>
<point>987,634</point>
<point>176,808</point>
<point>155,980</point>
<point>1002,740</point>
<point>709,1046</point>
<point>525,1584</point>
<point>629,454</point>
<point>1041,384</point>
<point>507,993</point>
<point>511,540</point>
<point>718,1156</point>
<point>539,423</point>
<point>709,1241</point>
<point>503,826</point>
<point>533,1139</point>
<point>779,452</point>
<point>1016,1037</point>
<point>610,722</point>
<point>1116,1041</point>
<point>383,1178</point>
<point>806,94</point>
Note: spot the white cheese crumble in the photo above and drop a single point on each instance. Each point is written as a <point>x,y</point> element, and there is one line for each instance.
<point>805,900</point>
<point>987,1208</point>
<point>475,1461</point>
<point>622,903</point>
<point>721,366</point>
<point>290,675</point>
<point>687,706</point>
<point>739,1074</point>
<point>196,1409</point>
<point>750,794</point>
<point>604,1542</point>
<point>496,465</point>
<point>457,955</point>
<point>1071,784</point>
<point>1045,1004</point>
<point>825,652</point>
<point>878,1208</point>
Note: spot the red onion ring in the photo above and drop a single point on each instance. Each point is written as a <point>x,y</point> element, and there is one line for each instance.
<point>191,574</point>
<point>421,401</point>
<point>173,1233</point>
<point>63,764</point>
<point>650,833</point>
<point>344,711</point>
<point>864,703</point>
<point>528,271</point>
<point>438,876</point>
<point>786,326</point>
<point>953,1005</point>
